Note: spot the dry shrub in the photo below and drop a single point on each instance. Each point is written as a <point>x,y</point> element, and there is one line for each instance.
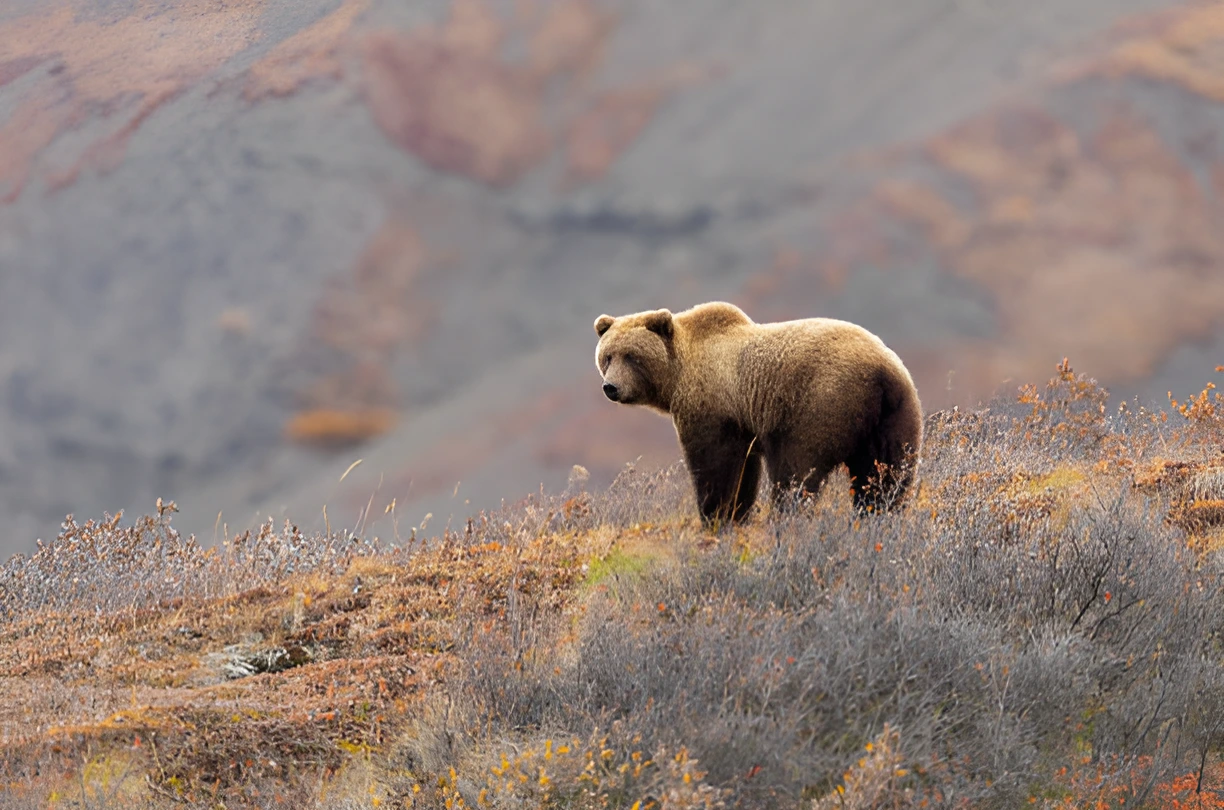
<point>335,428</point>
<point>103,568</point>
<point>1199,516</point>
<point>775,668</point>
<point>609,769</point>
<point>873,781</point>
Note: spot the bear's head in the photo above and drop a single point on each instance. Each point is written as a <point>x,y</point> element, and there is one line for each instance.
<point>637,358</point>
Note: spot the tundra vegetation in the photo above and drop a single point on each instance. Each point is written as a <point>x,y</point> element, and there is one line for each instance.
<point>1039,626</point>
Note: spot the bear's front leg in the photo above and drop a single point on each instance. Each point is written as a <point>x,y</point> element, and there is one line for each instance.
<point>725,466</point>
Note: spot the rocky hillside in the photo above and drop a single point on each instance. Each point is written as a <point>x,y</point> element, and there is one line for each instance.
<point>246,244</point>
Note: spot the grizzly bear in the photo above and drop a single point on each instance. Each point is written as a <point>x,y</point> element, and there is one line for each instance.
<point>801,396</point>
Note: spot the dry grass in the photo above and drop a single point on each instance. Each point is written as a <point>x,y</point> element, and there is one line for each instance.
<point>1040,626</point>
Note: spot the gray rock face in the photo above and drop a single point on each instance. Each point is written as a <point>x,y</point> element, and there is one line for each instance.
<point>388,227</point>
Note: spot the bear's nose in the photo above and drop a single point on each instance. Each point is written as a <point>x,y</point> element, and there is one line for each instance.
<point>610,392</point>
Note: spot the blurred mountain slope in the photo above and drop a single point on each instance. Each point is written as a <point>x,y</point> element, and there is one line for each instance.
<point>288,227</point>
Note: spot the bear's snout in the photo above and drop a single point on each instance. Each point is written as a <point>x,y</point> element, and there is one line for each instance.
<point>611,392</point>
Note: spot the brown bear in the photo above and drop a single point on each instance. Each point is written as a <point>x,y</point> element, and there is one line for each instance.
<point>803,396</point>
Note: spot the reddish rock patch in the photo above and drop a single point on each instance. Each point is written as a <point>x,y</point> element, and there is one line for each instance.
<point>457,110</point>
<point>312,53</point>
<point>118,69</point>
<point>569,38</point>
<point>1183,46</point>
<point>604,130</point>
<point>450,97</point>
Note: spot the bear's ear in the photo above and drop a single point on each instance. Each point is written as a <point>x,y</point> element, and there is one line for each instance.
<point>603,323</point>
<point>660,322</point>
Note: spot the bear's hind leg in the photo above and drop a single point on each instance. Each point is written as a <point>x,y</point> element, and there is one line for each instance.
<point>879,480</point>
<point>869,483</point>
<point>882,469</point>
<point>794,473</point>
<point>726,469</point>
<point>879,486</point>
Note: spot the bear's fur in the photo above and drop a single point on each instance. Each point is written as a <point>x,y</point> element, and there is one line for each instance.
<point>800,396</point>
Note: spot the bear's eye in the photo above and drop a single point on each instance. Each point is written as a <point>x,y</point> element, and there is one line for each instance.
<point>631,358</point>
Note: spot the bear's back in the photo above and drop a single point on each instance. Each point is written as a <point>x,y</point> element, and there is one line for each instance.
<point>782,365</point>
